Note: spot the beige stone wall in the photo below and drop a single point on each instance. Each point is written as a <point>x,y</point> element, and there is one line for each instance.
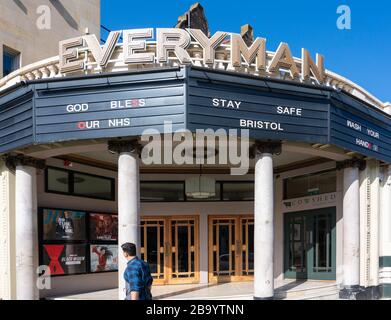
<point>19,30</point>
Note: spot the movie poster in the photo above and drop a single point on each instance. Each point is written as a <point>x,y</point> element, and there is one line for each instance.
<point>103,258</point>
<point>64,259</point>
<point>64,225</point>
<point>103,227</point>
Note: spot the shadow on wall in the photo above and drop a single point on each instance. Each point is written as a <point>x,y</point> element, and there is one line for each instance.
<point>64,13</point>
<point>21,6</point>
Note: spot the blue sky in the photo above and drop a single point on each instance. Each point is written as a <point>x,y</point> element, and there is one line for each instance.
<point>362,54</point>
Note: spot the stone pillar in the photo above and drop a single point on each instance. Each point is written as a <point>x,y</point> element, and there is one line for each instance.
<point>385,234</point>
<point>264,219</point>
<point>26,225</point>
<point>351,227</point>
<point>385,227</point>
<point>369,228</point>
<point>7,233</point>
<point>128,201</point>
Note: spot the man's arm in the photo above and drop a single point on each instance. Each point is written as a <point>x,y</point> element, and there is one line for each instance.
<point>134,295</point>
<point>133,278</point>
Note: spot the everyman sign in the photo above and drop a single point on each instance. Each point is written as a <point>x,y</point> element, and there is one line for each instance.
<point>190,46</point>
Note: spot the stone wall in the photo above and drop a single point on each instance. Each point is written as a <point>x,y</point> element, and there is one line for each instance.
<point>68,18</point>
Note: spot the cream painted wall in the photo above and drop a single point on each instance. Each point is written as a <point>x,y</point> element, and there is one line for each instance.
<point>19,31</point>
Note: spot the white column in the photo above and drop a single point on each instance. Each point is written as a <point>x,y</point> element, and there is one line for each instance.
<point>26,233</point>
<point>128,202</point>
<point>385,233</point>
<point>7,233</point>
<point>264,224</point>
<point>351,228</point>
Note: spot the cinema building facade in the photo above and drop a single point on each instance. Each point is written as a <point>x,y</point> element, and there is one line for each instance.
<point>314,205</point>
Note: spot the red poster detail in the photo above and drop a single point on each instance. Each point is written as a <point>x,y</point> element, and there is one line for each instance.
<point>54,252</point>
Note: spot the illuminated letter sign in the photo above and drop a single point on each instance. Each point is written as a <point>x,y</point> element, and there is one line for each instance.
<point>185,47</point>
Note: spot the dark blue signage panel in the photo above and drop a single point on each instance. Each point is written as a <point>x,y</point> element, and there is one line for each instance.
<point>267,115</point>
<point>124,105</point>
<point>16,120</point>
<point>360,133</point>
<point>119,106</point>
<point>109,112</point>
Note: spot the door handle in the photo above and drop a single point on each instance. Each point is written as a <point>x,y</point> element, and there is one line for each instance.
<point>167,249</point>
<point>238,244</point>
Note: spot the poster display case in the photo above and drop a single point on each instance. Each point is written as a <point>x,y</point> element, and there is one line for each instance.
<point>77,242</point>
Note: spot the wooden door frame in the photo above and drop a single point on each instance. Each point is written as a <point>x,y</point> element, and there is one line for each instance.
<point>167,249</point>
<point>159,218</point>
<point>238,249</point>
<point>196,278</point>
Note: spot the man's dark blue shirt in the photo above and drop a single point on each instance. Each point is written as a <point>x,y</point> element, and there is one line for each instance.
<point>138,278</point>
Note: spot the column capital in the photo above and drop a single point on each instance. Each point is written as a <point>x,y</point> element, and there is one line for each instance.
<point>352,163</point>
<point>11,161</point>
<point>120,146</point>
<point>260,147</point>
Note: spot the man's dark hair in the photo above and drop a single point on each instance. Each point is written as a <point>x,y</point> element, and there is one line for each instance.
<point>129,248</point>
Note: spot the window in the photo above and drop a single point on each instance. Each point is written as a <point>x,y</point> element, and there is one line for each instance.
<point>174,191</point>
<point>11,60</point>
<point>310,184</point>
<point>162,191</point>
<point>238,191</point>
<point>79,184</point>
<point>92,186</point>
<point>217,196</point>
<point>57,180</point>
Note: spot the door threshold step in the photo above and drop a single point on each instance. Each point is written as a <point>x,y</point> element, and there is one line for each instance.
<point>302,293</point>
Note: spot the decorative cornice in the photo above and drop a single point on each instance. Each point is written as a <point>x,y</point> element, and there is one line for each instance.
<point>120,146</point>
<point>259,148</point>
<point>12,161</point>
<point>352,163</point>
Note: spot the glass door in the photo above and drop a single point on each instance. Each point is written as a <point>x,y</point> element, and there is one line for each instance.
<point>231,248</point>
<point>310,244</point>
<point>153,247</point>
<point>295,246</point>
<point>183,250</point>
<point>247,239</point>
<point>171,247</point>
<point>321,254</point>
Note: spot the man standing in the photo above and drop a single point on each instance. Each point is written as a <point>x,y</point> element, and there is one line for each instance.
<point>137,275</point>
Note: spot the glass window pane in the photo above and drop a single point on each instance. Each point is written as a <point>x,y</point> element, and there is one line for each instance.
<point>58,180</point>
<point>311,184</point>
<point>183,249</point>
<point>152,253</point>
<point>11,61</point>
<point>238,191</point>
<point>91,186</point>
<point>224,246</point>
<point>215,198</point>
<point>162,191</point>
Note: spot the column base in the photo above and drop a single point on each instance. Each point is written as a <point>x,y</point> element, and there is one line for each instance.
<point>385,290</point>
<point>358,293</point>
<point>373,293</point>
<point>259,298</point>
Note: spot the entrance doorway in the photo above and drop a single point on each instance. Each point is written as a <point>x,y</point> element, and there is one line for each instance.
<point>171,247</point>
<point>310,244</point>
<point>231,248</point>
